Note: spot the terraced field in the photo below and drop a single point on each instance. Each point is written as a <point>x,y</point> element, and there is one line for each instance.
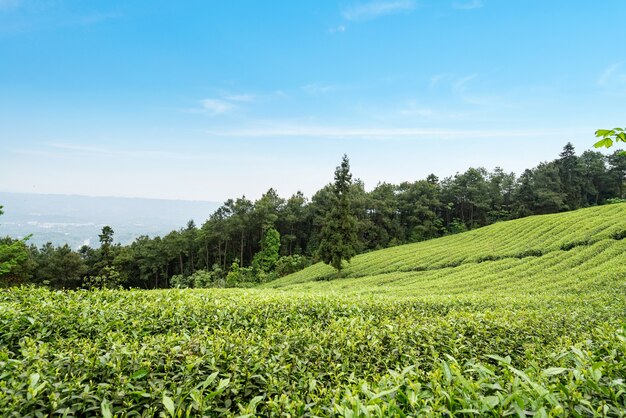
<point>521,238</point>
<point>523,318</point>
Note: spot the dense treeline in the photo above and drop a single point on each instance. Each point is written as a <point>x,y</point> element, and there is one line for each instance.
<point>246,241</point>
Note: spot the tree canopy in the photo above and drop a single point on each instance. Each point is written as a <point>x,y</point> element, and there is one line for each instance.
<point>338,237</point>
<point>273,236</point>
<point>12,253</point>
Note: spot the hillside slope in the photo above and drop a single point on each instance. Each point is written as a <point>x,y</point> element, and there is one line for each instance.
<point>522,318</point>
<point>576,245</point>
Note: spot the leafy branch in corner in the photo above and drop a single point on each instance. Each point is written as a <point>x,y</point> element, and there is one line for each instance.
<point>610,136</point>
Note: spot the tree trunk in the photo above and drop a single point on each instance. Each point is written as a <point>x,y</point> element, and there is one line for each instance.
<point>241,251</point>
<point>225,253</point>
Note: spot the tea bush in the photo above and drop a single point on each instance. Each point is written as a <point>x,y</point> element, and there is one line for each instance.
<point>471,331</point>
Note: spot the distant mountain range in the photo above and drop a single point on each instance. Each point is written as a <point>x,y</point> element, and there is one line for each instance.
<point>77,220</point>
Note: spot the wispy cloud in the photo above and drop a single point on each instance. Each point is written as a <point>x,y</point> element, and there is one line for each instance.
<point>412,109</point>
<point>434,80</point>
<point>369,133</point>
<point>70,150</point>
<point>468,5</point>
<point>460,85</point>
<point>609,73</point>
<point>337,29</point>
<point>86,149</point>
<point>247,98</point>
<point>461,89</point>
<point>225,103</point>
<point>466,88</point>
<point>214,107</point>
<point>372,10</point>
<point>94,18</point>
<point>318,89</point>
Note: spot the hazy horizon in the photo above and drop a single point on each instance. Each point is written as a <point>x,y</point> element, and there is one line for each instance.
<point>109,196</point>
<point>77,220</point>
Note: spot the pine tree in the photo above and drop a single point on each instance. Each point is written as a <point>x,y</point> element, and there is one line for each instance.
<point>571,177</point>
<point>338,237</point>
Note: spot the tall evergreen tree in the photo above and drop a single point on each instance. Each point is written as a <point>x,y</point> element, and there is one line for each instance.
<point>338,237</point>
<point>617,172</point>
<point>571,177</point>
<point>106,239</point>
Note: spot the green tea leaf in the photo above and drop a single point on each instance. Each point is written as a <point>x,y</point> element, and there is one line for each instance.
<point>169,405</point>
<point>105,409</point>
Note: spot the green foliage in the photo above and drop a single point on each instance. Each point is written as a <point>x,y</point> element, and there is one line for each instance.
<point>291,264</point>
<point>610,136</point>
<point>109,278</point>
<point>387,216</point>
<point>200,279</point>
<point>265,260</point>
<point>522,317</point>
<point>180,281</point>
<point>204,279</point>
<point>12,254</point>
<point>106,237</point>
<point>338,238</point>
<point>509,241</point>
<point>233,275</point>
<point>60,267</point>
<point>551,343</point>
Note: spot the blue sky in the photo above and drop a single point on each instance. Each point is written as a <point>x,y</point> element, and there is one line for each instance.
<point>215,99</point>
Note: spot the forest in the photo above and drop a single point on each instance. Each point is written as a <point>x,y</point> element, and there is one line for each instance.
<point>248,242</point>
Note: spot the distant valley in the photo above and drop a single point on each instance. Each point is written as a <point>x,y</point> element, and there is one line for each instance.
<point>77,220</point>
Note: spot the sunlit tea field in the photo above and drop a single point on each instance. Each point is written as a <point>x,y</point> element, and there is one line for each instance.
<point>521,318</point>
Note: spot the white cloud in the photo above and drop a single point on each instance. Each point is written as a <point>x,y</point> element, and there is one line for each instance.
<point>372,10</point>
<point>469,5</point>
<point>214,107</point>
<point>280,130</point>
<point>226,103</point>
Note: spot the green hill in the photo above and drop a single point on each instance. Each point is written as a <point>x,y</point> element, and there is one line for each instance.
<point>522,318</point>
<point>534,254</point>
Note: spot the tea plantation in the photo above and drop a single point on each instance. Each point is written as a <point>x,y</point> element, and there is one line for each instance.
<point>521,318</point>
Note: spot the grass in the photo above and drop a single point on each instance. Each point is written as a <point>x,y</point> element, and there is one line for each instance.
<point>520,318</point>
